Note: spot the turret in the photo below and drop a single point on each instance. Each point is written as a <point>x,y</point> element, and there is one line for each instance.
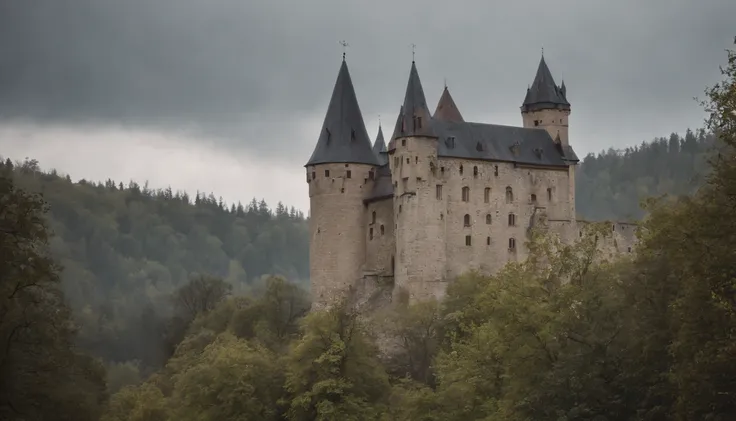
<point>379,147</point>
<point>420,232</point>
<point>340,172</point>
<point>545,105</point>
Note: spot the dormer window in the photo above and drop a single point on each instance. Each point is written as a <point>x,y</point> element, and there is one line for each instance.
<point>479,147</point>
<point>450,142</point>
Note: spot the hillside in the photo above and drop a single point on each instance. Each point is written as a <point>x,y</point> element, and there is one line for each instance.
<point>125,249</point>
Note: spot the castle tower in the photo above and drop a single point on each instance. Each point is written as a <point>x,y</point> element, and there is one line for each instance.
<point>446,109</point>
<point>546,106</point>
<point>379,147</point>
<point>420,229</point>
<point>340,172</point>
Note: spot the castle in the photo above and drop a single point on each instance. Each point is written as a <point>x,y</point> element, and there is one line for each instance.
<point>444,197</point>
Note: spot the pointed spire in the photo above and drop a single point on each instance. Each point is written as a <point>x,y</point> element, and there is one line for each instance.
<point>379,147</point>
<point>544,93</point>
<point>446,109</point>
<point>415,119</point>
<point>343,137</point>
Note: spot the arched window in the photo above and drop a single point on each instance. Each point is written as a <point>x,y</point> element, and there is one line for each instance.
<point>488,219</point>
<point>461,170</point>
<point>487,195</point>
<point>466,220</point>
<point>549,194</point>
<point>512,244</point>
<point>466,194</point>
<point>509,195</point>
<point>512,220</point>
<point>534,198</point>
<point>475,171</point>
<point>373,217</point>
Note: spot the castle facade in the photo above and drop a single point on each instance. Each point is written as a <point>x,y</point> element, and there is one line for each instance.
<point>443,197</point>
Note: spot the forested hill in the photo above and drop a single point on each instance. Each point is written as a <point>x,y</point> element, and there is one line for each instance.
<point>126,249</point>
<point>611,185</point>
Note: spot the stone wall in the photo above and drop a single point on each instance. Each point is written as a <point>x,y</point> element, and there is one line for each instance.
<point>337,227</point>
<point>379,237</point>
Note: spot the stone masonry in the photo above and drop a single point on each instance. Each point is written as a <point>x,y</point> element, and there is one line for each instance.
<point>444,197</point>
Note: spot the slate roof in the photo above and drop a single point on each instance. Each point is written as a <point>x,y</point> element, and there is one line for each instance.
<point>544,93</point>
<point>343,137</point>
<point>414,118</point>
<point>382,188</point>
<point>495,142</point>
<point>446,109</point>
<point>379,147</point>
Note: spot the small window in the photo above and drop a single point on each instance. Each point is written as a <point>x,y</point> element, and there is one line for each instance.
<point>495,170</point>
<point>509,195</point>
<point>512,244</point>
<point>403,142</point>
<point>536,122</point>
<point>419,122</point>
<point>399,208</point>
<point>475,170</point>
<point>487,195</point>
<point>371,175</point>
<point>327,173</point>
<point>438,191</point>
<point>407,160</point>
<point>468,241</point>
<point>342,190</point>
<point>466,194</point>
<point>466,220</point>
<point>488,219</point>
<point>442,170</point>
<point>534,198</point>
<point>549,194</point>
<point>629,249</point>
<point>370,233</point>
<point>512,220</point>
<point>461,170</point>
<point>488,241</point>
<point>314,175</point>
<point>613,228</point>
<point>373,217</point>
<point>382,230</point>
<point>349,174</point>
<point>442,217</point>
<point>416,159</point>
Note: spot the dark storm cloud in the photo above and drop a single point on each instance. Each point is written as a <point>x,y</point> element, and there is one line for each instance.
<point>247,71</point>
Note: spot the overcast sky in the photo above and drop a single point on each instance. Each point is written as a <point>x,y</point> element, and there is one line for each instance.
<point>228,96</point>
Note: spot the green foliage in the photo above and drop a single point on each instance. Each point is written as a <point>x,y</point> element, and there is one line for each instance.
<point>42,375</point>
<point>125,249</point>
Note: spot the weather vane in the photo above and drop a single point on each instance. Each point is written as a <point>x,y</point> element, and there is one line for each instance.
<point>413,49</point>
<point>379,120</point>
<point>542,51</point>
<point>344,47</point>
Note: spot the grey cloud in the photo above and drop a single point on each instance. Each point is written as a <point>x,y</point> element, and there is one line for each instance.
<point>246,72</point>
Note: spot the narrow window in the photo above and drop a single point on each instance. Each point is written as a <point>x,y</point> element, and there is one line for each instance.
<point>467,240</point>
<point>512,244</point>
<point>407,160</point>
<point>419,122</point>
<point>512,220</point>
<point>495,170</point>
<point>399,208</point>
<point>466,220</point>
<point>403,142</point>
<point>327,173</point>
<point>487,195</point>
<point>509,195</point>
<point>349,174</point>
<point>629,249</point>
<point>442,170</point>
<point>613,228</point>
<point>416,159</point>
<point>314,175</point>
<point>475,170</point>
<point>392,264</point>
<point>466,194</point>
<point>461,170</point>
<point>549,194</point>
<point>488,241</point>
<point>370,233</point>
<point>488,219</point>
<point>438,191</point>
<point>373,217</point>
<point>534,198</point>
<point>382,230</point>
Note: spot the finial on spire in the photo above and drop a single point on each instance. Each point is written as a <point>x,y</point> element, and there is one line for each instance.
<point>379,120</point>
<point>344,47</point>
<point>542,52</point>
<point>445,83</point>
<point>413,51</point>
